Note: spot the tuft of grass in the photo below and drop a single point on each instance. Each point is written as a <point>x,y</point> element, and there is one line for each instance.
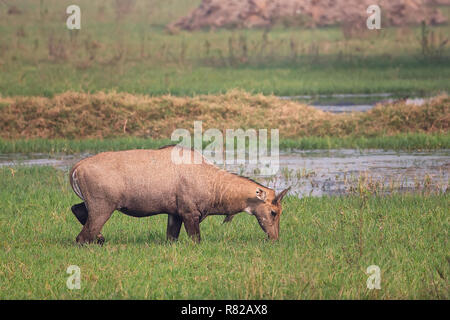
<point>325,247</point>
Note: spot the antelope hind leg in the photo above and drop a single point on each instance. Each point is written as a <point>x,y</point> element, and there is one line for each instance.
<point>81,213</point>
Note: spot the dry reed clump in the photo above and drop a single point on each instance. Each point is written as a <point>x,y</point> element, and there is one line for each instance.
<point>103,115</point>
<point>434,116</point>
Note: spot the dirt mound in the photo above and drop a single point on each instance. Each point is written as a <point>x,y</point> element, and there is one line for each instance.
<point>310,13</point>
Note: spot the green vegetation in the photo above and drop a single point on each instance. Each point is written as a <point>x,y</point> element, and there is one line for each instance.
<point>414,141</point>
<point>325,247</point>
<point>131,51</point>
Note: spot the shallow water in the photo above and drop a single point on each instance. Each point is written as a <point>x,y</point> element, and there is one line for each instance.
<point>338,103</point>
<point>337,172</point>
<point>319,172</point>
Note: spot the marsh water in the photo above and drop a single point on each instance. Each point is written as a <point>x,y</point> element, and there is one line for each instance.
<point>338,103</point>
<point>319,172</point>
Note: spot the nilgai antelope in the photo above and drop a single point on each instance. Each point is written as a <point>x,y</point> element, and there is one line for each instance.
<point>143,183</point>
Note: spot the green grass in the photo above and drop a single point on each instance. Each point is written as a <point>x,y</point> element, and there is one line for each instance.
<point>136,54</point>
<point>325,247</point>
<point>414,141</point>
<point>414,78</point>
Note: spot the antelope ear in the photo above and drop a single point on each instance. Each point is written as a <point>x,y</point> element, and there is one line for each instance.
<point>281,195</point>
<point>261,194</point>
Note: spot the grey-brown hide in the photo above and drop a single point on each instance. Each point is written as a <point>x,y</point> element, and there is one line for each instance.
<point>142,183</point>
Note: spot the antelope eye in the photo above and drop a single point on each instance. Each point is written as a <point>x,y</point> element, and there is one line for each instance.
<point>273,213</point>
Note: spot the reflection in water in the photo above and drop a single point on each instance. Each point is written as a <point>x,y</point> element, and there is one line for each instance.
<point>338,103</point>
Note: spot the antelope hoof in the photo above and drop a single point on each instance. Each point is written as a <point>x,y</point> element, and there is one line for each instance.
<point>100,239</point>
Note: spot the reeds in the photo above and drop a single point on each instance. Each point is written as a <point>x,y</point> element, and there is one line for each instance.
<point>432,43</point>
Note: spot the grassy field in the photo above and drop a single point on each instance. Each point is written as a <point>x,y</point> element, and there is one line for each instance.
<point>409,142</point>
<point>132,51</point>
<point>325,247</point>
